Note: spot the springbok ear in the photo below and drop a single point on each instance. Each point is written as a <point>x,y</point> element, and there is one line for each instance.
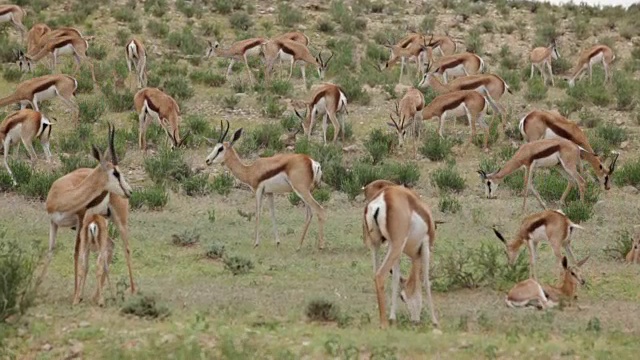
<point>236,136</point>
<point>96,153</point>
<point>581,262</point>
<point>564,262</point>
<point>483,175</point>
<point>499,235</point>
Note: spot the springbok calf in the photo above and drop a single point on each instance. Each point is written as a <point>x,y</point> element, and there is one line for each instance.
<point>539,153</point>
<point>94,236</point>
<point>136,56</point>
<point>279,174</point>
<point>394,214</point>
<point>539,124</point>
<point>589,57</point>
<point>329,101</point>
<point>409,113</point>
<point>458,103</point>
<point>292,51</point>
<point>30,92</point>
<point>633,256</point>
<point>153,104</point>
<point>25,125</point>
<point>552,226</point>
<point>531,293</point>
<point>463,64</point>
<point>541,58</point>
<point>238,51</point>
<point>14,14</point>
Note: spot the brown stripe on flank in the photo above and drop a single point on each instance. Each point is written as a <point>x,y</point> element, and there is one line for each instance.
<point>453,104</point>
<point>449,65</point>
<point>151,105</point>
<point>95,202</point>
<point>44,86</point>
<point>595,52</point>
<point>546,152</point>
<point>62,43</point>
<point>472,85</point>
<point>271,173</point>
<point>286,49</point>
<point>536,224</point>
<point>560,131</point>
<point>319,96</point>
<point>5,11</point>
<point>12,122</point>
<point>251,44</point>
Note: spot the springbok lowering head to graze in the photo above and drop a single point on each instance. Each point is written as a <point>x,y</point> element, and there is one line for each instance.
<point>463,64</point>
<point>153,104</point>
<point>35,34</point>
<point>409,116</point>
<point>590,57</point>
<point>25,125</point>
<point>329,101</point>
<point>541,58</point>
<point>94,236</point>
<point>32,91</point>
<point>279,174</point>
<point>136,56</point>
<point>296,36</point>
<point>540,124</point>
<point>539,153</point>
<point>396,215</point>
<point>552,226</point>
<point>531,293</point>
<point>238,51</point>
<point>14,14</point>
<point>412,48</point>
<point>292,51</point>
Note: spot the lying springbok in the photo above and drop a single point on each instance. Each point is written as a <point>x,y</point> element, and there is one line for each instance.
<point>238,51</point>
<point>30,92</point>
<point>14,14</point>
<point>94,236</point>
<point>540,124</point>
<point>589,57</point>
<point>396,215</point>
<point>292,51</point>
<point>409,113</point>
<point>463,64</point>
<point>539,153</point>
<point>458,103</point>
<point>552,226</point>
<point>136,56</point>
<point>329,101</point>
<point>541,58</point>
<point>153,104</point>
<point>25,125</point>
<point>279,174</point>
<point>531,293</point>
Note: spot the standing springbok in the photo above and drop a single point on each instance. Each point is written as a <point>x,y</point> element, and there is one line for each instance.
<point>394,214</point>
<point>35,34</point>
<point>589,57</point>
<point>409,113</point>
<point>296,36</point>
<point>540,124</point>
<point>136,56</point>
<point>292,51</point>
<point>238,51</point>
<point>279,174</point>
<point>541,58</point>
<point>94,236</point>
<point>329,101</point>
<point>30,92</point>
<point>463,64</point>
<point>552,226</point>
<point>411,49</point>
<point>458,103</point>
<point>153,104</point>
<point>102,190</point>
<point>531,293</point>
<point>14,14</point>
<point>633,256</point>
<point>539,153</point>
<point>25,125</point>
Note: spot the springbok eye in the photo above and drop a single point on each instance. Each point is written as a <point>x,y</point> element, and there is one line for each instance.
<point>600,166</point>
<point>116,174</point>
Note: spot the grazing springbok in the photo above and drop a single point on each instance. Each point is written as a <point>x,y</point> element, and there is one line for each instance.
<point>329,101</point>
<point>463,64</point>
<point>540,124</point>
<point>531,293</point>
<point>539,153</point>
<point>136,56</point>
<point>279,174</point>
<point>153,104</point>
<point>238,51</point>
<point>94,236</point>
<point>590,57</point>
<point>541,58</point>
<point>292,51</point>
<point>552,226</point>
<point>409,114</point>
<point>32,91</point>
<point>296,36</point>
<point>35,34</point>
<point>14,14</point>
<point>396,215</point>
<point>102,190</point>
<point>25,125</point>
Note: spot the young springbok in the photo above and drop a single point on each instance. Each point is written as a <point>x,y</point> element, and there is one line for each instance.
<point>552,226</point>
<point>14,14</point>
<point>94,236</point>
<point>531,293</point>
<point>292,51</point>
<point>238,51</point>
<point>136,56</point>
<point>590,57</point>
<point>540,124</point>
<point>540,153</point>
<point>153,104</point>
<point>409,113</point>
<point>279,174</point>
<point>329,101</point>
<point>396,215</point>
<point>30,92</point>
<point>25,125</point>
<point>541,58</point>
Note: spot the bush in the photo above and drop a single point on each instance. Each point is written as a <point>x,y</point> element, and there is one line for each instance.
<point>474,42</point>
<point>154,197</point>
<point>272,106</point>
<point>17,266</point>
<point>322,310</point>
<point>223,183</point>
<point>265,136</point>
<point>578,211</point>
<point>240,21</point>
<point>167,165</point>
<point>352,87</point>
<point>614,135</point>
<point>380,144</point>
<point>536,89</point>
<point>179,88</point>
<point>325,25</point>
<point>625,90</point>
<point>208,78</point>
<point>238,265</point>
<point>628,174</point>
<point>186,238</point>
<point>589,119</point>
<point>186,42</point>
<point>621,247</point>
<point>197,185</point>
<point>145,306</point>
<point>434,147</point>
<point>73,162</point>
<point>449,204</point>
<point>157,29</point>
<point>91,109</point>
<point>447,178</point>
<point>215,250</point>
<point>288,16</point>
<point>12,74</point>
<point>281,87</point>
<point>38,185</point>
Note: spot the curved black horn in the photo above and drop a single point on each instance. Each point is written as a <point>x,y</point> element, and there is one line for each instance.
<point>221,138</point>
<point>112,149</point>
<point>329,59</point>
<point>612,167</point>
<point>226,131</point>
<point>182,141</point>
<point>297,113</point>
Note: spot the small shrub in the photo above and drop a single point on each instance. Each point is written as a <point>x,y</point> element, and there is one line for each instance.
<point>272,107</point>
<point>123,14</point>
<point>73,162</point>
<point>449,204</point>
<point>322,195</point>
<point>352,87</point>
<point>266,136</point>
<point>38,185</point>
<point>154,197</point>
<point>380,144</point>
<point>621,247</point>
<point>512,78</point>
<point>561,65</point>
<point>167,165</point>
<point>628,174</point>
<point>612,134</point>
<point>322,310</point>
<point>568,106</point>
<point>215,250</point>
<point>447,178</point>
<point>223,183</point>
<point>91,109</point>
<point>325,25</point>
<point>240,21</point>
<point>145,306</point>
<point>625,90</point>
<point>281,87</point>
<point>578,211</point>
<point>122,36</point>
<point>157,29</point>
<point>197,185</point>
<point>230,101</point>
<point>238,265</point>
<point>589,119</point>
<point>434,147</point>
<point>474,42</point>
<point>186,238</point>
<point>17,266</point>
<point>12,74</point>
<point>179,88</point>
<point>536,89</point>
<point>186,42</point>
<point>208,78</point>
<point>288,16</point>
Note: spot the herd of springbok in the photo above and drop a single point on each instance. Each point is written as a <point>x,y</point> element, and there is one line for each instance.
<point>85,199</point>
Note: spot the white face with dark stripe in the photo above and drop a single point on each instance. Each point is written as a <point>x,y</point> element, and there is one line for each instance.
<point>216,156</point>
<point>490,188</point>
